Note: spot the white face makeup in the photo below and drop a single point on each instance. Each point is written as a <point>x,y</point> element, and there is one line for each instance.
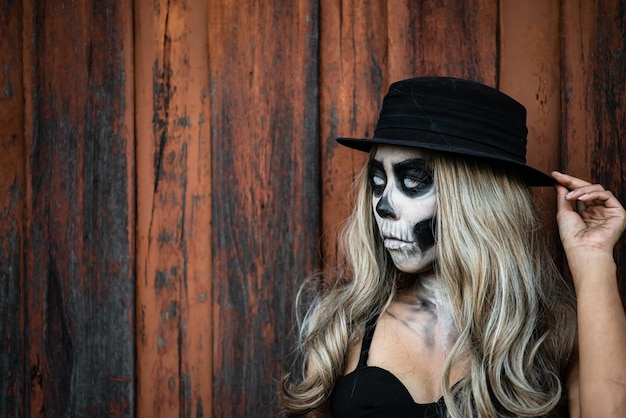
<point>404,201</point>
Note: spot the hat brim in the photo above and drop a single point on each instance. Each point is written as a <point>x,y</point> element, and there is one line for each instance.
<point>530,175</point>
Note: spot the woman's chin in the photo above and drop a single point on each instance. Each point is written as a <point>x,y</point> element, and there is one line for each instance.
<point>421,266</point>
<point>413,262</point>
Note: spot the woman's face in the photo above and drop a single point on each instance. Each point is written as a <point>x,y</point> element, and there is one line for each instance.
<point>404,201</point>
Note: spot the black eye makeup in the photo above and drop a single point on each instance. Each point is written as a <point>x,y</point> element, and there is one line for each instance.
<point>414,177</point>
<point>377,177</point>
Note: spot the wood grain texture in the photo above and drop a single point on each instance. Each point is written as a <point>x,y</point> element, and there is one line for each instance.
<point>79,281</point>
<point>265,184</point>
<point>367,45</point>
<point>353,62</point>
<point>353,59</point>
<point>12,194</point>
<point>593,93</point>
<point>443,37</point>
<point>173,210</point>
<point>530,72</point>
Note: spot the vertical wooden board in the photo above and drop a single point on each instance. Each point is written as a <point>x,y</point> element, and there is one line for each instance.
<point>79,284</point>
<point>174,346</point>
<point>353,61</point>
<point>593,95</point>
<point>12,190</point>
<point>530,73</point>
<point>367,45</point>
<point>448,38</point>
<point>265,185</point>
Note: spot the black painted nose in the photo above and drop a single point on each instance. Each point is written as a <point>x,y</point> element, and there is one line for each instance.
<point>384,209</point>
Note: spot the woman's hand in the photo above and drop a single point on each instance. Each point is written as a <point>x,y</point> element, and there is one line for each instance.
<point>590,218</point>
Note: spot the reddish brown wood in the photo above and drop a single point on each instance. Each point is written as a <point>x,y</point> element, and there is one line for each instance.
<point>265,184</point>
<point>353,61</point>
<point>449,38</point>
<point>79,281</point>
<point>530,72</point>
<point>12,189</point>
<point>174,345</point>
<point>593,96</point>
<point>365,47</point>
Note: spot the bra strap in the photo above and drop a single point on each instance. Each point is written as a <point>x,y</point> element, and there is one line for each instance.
<point>370,326</point>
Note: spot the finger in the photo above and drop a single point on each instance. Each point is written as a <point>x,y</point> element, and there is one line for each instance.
<point>600,197</point>
<point>568,181</point>
<point>576,193</point>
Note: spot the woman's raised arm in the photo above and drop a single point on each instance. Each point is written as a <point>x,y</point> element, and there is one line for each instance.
<point>590,221</point>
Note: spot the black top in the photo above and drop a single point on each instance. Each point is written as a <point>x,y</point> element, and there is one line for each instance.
<point>376,392</point>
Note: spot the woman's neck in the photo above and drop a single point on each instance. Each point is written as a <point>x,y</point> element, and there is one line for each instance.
<point>423,293</point>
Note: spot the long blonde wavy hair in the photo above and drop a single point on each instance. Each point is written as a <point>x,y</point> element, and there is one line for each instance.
<point>514,313</point>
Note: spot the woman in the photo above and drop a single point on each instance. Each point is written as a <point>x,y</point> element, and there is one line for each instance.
<point>450,304</point>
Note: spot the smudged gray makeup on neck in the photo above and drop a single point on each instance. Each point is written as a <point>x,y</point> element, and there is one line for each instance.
<point>431,312</point>
<point>426,327</point>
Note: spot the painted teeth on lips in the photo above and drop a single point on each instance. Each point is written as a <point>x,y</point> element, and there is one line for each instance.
<point>393,243</point>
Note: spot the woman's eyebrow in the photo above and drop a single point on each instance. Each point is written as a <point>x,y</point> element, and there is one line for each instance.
<point>412,163</point>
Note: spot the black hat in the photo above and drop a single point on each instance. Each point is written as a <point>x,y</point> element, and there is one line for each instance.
<point>457,116</point>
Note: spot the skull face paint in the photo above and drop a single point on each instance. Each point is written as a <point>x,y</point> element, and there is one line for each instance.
<point>404,202</point>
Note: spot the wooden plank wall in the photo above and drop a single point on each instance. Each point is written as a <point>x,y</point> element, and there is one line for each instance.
<point>265,188</point>
<point>78,283</point>
<point>173,209</point>
<point>12,196</point>
<point>593,94</point>
<point>168,173</point>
